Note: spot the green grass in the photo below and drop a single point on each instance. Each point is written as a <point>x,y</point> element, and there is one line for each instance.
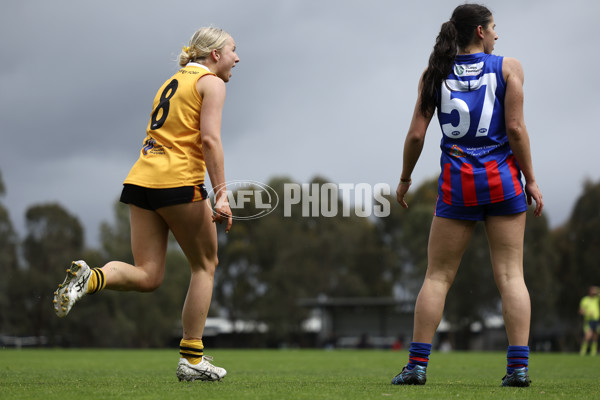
<point>286,374</point>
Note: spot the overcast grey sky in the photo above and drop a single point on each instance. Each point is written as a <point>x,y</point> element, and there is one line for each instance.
<point>323,88</point>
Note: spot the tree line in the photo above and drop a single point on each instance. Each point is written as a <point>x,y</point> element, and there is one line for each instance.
<point>267,264</point>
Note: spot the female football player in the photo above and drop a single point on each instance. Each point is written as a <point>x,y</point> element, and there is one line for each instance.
<point>485,152</point>
<point>165,192</point>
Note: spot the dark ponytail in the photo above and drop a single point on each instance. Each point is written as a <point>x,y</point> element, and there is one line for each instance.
<point>458,32</point>
<point>440,64</point>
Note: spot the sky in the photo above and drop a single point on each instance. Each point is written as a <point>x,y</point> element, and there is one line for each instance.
<point>324,88</point>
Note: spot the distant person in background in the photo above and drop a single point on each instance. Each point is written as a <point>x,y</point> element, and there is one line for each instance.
<point>485,151</point>
<point>589,308</point>
<point>165,192</point>
<point>398,344</point>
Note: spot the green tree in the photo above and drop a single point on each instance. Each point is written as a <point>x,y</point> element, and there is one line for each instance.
<point>8,264</point>
<point>53,237</point>
<point>405,233</point>
<point>116,238</point>
<point>578,244</point>
<point>540,263</point>
<point>268,264</point>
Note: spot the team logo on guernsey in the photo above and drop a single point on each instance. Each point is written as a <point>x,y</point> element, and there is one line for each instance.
<point>457,152</point>
<point>468,69</point>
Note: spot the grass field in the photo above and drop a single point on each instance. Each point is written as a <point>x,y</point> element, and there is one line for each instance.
<point>286,374</point>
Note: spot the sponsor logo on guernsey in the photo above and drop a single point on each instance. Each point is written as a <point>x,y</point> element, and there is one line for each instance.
<point>148,145</point>
<point>152,147</point>
<point>457,152</point>
<point>468,69</point>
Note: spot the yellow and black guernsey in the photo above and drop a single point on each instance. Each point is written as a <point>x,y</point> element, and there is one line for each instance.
<point>171,155</point>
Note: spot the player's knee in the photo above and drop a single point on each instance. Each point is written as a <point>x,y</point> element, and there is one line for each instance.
<point>206,263</point>
<point>211,265</point>
<point>507,281</point>
<point>151,283</point>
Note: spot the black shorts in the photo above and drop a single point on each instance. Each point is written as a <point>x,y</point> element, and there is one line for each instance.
<point>152,199</point>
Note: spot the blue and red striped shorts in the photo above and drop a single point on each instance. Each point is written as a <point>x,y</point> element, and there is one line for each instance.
<point>515,205</point>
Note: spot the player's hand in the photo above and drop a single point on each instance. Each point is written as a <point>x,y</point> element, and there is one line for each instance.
<point>533,193</point>
<point>401,191</point>
<point>223,213</point>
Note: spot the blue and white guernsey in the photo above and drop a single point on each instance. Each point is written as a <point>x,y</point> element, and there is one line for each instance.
<point>477,164</point>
